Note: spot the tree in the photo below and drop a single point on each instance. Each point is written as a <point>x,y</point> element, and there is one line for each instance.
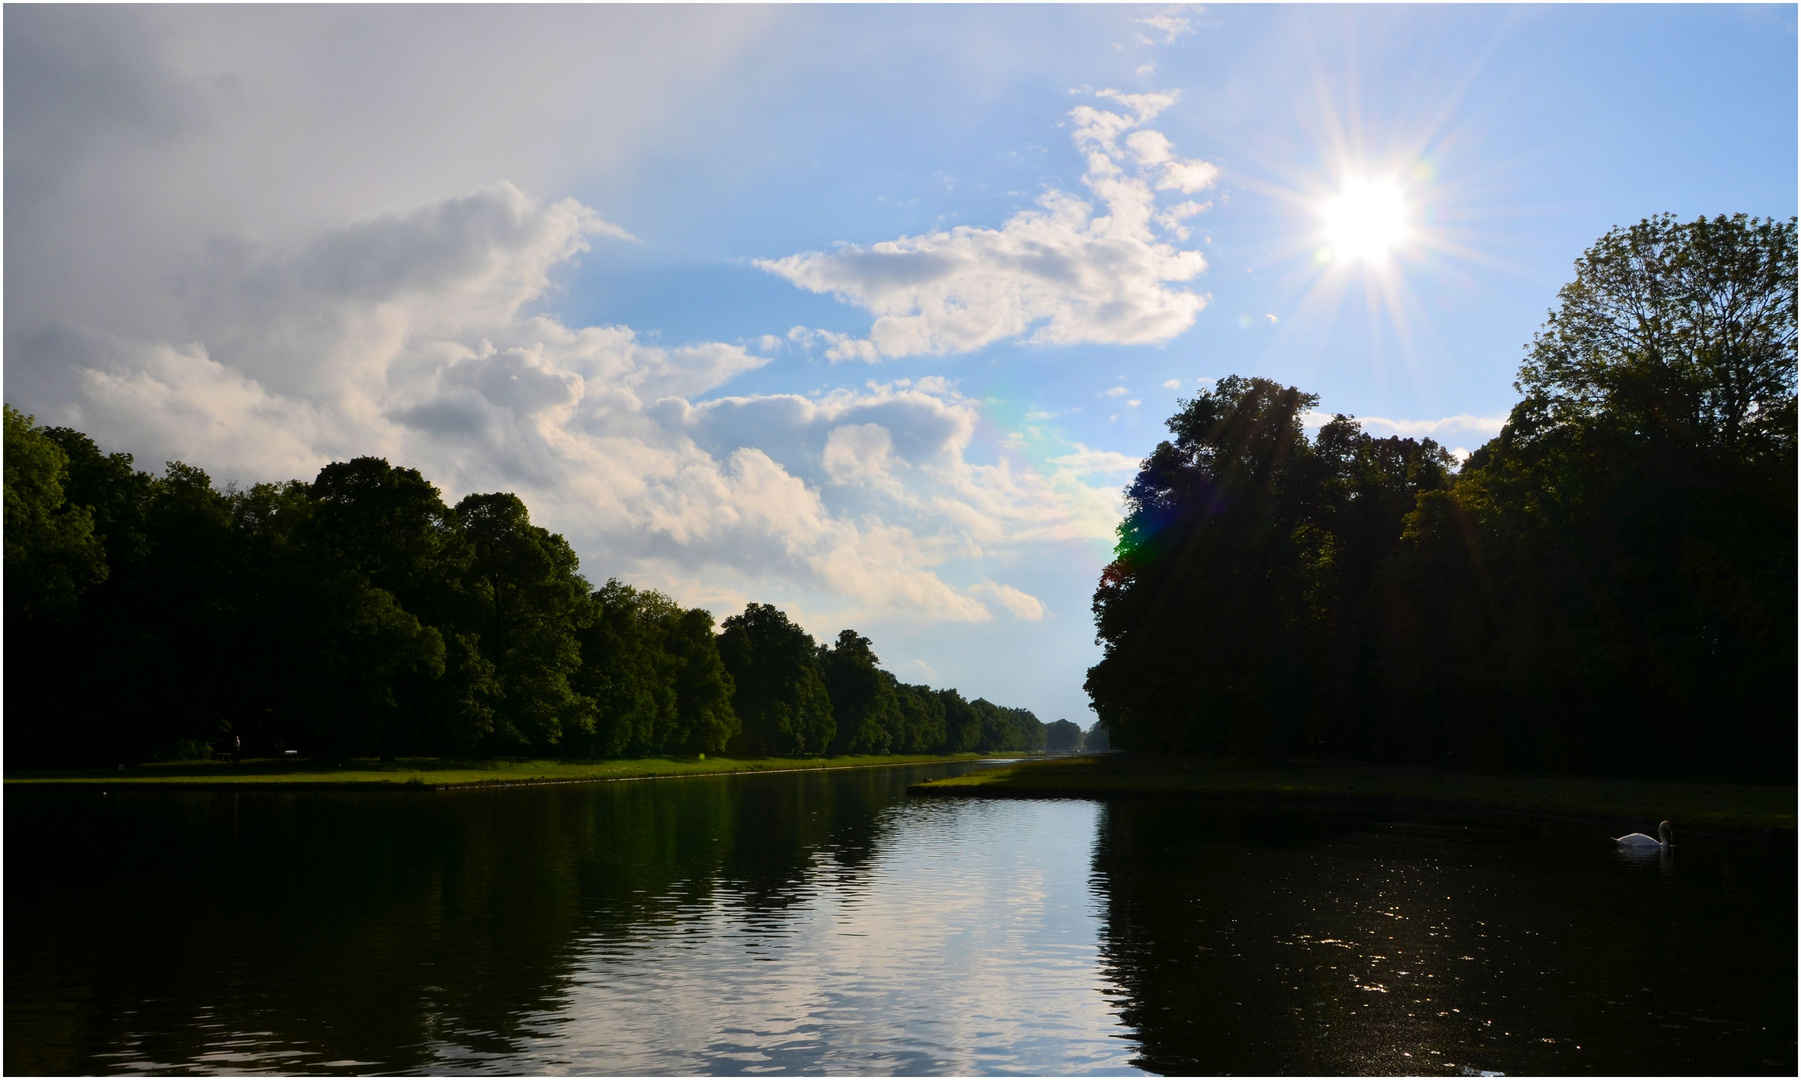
<point>1684,327</point>
<point>391,526</point>
<point>1609,586</point>
<point>962,723</point>
<point>705,720</point>
<point>627,671</point>
<point>1233,614</point>
<point>529,603</point>
<point>864,706</point>
<point>779,690</point>
<point>1062,737</point>
<point>920,727</point>
<point>52,554</point>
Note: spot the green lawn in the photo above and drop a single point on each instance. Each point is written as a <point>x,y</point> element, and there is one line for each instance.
<point>436,773</point>
<point>1636,804</point>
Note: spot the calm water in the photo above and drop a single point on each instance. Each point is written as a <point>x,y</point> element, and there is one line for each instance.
<point>825,922</point>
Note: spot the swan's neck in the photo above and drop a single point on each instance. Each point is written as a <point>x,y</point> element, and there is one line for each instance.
<point>1663,834</point>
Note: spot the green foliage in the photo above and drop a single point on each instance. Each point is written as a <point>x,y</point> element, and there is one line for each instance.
<point>864,703</point>
<point>1606,587</point>
<point>357,615</point>
<point>779,689</point>
<point>1674,330</point>
<point>528,603</point>
<point>705,720</point>
<point>52,554</point>
<point>655,673</point>
<point>919,711</point>
<point>1062,737</point>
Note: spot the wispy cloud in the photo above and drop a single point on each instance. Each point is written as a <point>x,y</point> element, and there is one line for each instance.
<point>1020,605</point>
<point>1169,23</point>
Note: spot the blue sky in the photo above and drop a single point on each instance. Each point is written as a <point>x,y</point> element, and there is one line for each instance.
<point>607,257</point>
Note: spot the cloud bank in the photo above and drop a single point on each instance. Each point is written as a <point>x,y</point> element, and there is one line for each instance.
<point>412,335</point>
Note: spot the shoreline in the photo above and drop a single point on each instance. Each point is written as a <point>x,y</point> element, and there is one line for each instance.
<point>1695,808</point>
<point>269,774</point>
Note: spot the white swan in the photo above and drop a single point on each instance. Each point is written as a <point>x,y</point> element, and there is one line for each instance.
<point>1640,840</point>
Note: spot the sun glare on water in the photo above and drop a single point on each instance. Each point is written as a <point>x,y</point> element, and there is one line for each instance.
<point>1365,221</point>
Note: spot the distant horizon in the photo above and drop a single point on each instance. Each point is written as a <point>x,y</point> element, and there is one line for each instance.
<point>868,313</point>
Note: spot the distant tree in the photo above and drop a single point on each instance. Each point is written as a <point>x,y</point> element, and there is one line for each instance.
<point>1095,740</point>
<point>655,674</point>
<point>864,704</point>
<point>628,672</point>
<point>356,614</point>
<point>779,690</point>
<point>919,710</point>
<point>706,723</point>
<point>1062,737</point>
<point>962,723</point>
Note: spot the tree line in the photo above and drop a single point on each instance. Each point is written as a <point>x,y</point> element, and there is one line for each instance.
<point>359,615</point>
<point>1607,587</point>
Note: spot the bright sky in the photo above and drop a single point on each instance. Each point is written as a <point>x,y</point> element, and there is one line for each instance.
<point>868,312</point>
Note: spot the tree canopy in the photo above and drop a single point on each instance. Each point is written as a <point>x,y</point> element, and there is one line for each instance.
<point>357,614</point>
<point>1606,587</point>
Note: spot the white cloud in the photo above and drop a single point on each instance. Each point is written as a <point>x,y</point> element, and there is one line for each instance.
<point>1485,426</point>
<point>1172,384</point>
<point>916,669</point>
<point>1020,605</point>
<point>1056,274</point>
<point>1085,461</point>
<point>837,346</point>
<point>1171,24</point>
<point>1115,391</point>
<point>859,454</point>
<point>408,336</point>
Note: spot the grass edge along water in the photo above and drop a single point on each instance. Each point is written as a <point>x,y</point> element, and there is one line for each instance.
<point>434,773</point>
<point>1709,806</point>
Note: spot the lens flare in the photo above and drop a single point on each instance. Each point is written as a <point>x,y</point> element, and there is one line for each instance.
<point>1365,221</point>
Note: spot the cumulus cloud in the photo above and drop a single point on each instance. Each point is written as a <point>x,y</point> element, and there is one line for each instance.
<point>410,335</point>
<point>1059,273</point>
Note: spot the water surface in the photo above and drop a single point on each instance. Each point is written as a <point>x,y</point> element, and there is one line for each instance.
<point>825,923</point>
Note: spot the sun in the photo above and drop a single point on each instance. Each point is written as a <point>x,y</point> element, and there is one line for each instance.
<point>1365,221</point>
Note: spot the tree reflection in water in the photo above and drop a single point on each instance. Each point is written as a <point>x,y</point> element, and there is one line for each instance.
<point>823,922</point>
<point>1260,942</point>
<point>350,931</point>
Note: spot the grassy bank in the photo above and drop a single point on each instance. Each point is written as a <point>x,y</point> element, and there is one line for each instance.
<point>434,773</point>
<point>1632,804</point>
